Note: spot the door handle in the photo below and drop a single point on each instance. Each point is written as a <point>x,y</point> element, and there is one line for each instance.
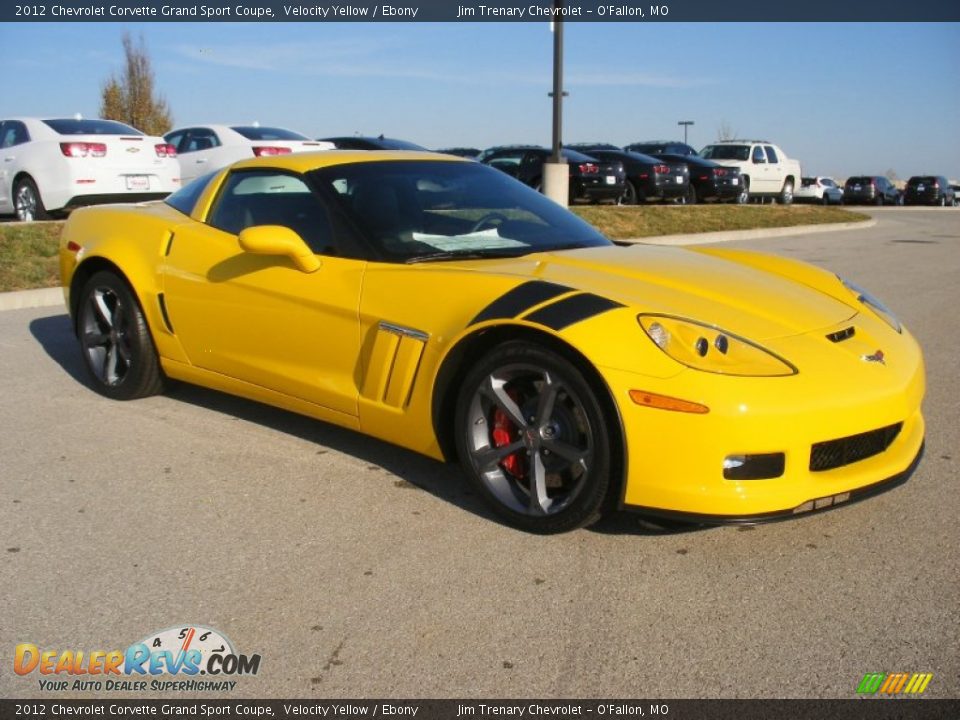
<point>201,160</point>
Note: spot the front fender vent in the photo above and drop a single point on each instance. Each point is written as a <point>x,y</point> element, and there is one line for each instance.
<point>841,335</point>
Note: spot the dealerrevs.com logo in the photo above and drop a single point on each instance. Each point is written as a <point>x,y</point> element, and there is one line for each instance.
<point>890,684</point>
<point>183,653</point>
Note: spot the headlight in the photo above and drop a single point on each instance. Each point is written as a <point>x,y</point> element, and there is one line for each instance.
<point>871,302</point>
<point>708,348</point>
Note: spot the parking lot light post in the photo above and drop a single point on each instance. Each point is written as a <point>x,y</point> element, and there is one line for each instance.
<point>556,174</point>
<point>686,124</point>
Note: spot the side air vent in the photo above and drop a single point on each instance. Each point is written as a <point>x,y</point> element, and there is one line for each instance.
<point>842,335</point>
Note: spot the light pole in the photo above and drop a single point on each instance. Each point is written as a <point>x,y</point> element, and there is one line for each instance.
<point>686,124</point>
<point>556,174</point>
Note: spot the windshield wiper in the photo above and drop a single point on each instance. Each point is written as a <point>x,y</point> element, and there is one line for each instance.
<point>471,254</point>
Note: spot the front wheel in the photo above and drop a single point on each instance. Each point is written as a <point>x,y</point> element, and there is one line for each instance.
<point>118,350</point>
<point>534,439</point>
<point>744,197</point>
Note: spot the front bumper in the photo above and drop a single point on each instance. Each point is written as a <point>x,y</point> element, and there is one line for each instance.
<point>675,460</point>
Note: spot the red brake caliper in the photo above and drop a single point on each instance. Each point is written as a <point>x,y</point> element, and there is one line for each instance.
<point>504,433</point>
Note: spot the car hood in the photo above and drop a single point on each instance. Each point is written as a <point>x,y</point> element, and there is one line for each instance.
<point>741,298</point>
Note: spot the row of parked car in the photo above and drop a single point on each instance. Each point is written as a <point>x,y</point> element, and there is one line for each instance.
<point>53,165</point>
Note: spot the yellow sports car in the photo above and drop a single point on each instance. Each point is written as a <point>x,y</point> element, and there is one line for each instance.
<point>440,305</point>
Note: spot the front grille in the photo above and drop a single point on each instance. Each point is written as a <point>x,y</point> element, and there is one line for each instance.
<point>844,451</point>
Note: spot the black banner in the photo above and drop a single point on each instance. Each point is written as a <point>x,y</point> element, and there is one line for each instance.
<point>866,709</point>
<point>486,11</point>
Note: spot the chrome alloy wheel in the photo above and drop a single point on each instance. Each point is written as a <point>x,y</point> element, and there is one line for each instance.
<point>529,439</point>
<point>25,203</point>
<point>104,336</point>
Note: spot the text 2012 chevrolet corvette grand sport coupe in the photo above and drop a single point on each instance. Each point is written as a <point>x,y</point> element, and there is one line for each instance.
<point>443,306</point>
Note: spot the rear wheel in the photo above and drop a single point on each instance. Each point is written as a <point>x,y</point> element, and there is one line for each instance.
<point>117,348</point>
<point>629,196</point>
<point>692,197</point>
<point>27,202</point>
<point>786,194</point>
<point>533,438</point>
<point>744,197</point>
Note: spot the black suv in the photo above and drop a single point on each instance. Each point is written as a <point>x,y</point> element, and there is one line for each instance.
<point>929,190</point>
<point>870,190</point>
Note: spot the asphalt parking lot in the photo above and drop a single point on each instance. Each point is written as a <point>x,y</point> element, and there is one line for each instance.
<point>356,569</point>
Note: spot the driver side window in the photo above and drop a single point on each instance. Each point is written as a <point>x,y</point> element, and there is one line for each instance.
<point>269,197</point>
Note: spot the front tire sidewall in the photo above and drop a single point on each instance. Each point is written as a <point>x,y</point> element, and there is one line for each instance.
<point>142,376</point>
<point>586,506</point>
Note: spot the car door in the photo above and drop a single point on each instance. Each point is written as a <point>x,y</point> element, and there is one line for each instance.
<point>760,176</point>
<point>258,318</point>
<point>13,139</point>
<point>199,153</point>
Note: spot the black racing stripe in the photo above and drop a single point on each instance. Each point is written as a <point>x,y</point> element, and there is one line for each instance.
<point>568,311</point>
<point>521,298</point>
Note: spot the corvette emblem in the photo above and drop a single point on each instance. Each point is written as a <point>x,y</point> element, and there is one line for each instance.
<point>877,357</point>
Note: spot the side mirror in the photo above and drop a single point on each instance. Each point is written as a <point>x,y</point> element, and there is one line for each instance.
<point>279,240</point>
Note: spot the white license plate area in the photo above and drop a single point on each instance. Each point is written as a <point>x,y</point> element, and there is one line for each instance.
<point>920,188</point>
<point>679,179</point>
<point>611,180</point>
<point>734,181</point>
<point>138,182</point>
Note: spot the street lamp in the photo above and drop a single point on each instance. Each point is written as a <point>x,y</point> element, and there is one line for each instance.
<point>686,124</point>
<point>556,173</point>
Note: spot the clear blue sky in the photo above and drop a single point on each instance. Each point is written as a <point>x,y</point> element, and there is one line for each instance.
<point>842,98</point>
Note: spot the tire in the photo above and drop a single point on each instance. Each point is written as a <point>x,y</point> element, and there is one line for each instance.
<point>786,194</point>
<point>692,198</point>
<point>27,203</point>
<point>115,341</point>
<point>629,196</point>
<point>533,439</point>
<point>943,201</point>
<point>744,197</point>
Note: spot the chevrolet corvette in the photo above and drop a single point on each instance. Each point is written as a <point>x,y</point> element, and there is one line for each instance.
<point>443,306</point>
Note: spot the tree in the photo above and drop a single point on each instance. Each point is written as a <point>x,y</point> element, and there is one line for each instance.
<point>726,132</point>
<point>131,98</point>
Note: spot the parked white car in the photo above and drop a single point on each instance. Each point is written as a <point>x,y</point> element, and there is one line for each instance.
<point>58,164</point>
<point>765,169</point>
<point>205,148</point>
<point>821,190</point>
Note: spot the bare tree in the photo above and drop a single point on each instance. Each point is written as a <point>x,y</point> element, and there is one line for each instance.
<point>726,131</point>
<point>131,98</point>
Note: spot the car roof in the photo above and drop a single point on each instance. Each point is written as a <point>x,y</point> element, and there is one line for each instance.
<point>304,162</point>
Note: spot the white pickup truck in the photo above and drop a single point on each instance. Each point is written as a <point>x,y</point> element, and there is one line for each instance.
<point>766,170</point>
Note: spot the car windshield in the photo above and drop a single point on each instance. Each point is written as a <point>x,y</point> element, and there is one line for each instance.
<point>255,132</point>
<point>925,180</point>
<point>71,126</point>
<point>186,197</point>
<point>726,152</point>
<point>414,210</point>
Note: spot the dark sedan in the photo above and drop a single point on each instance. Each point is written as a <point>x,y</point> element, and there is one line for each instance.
<point>709,181</point>
<point>929,190</point>
<point>648,178</point>
<point>870,190</point>
<point>359,142</point>
<point>465,152</point>
<point>661,147</point>
<point>591,179</point>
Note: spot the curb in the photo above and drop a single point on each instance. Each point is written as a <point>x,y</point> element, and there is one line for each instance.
<point>22,299</point>
<point>731,235</point>
<point>49,297</point>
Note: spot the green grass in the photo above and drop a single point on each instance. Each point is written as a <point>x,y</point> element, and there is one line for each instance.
<point>621,223</point>
<point>28,253</point>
